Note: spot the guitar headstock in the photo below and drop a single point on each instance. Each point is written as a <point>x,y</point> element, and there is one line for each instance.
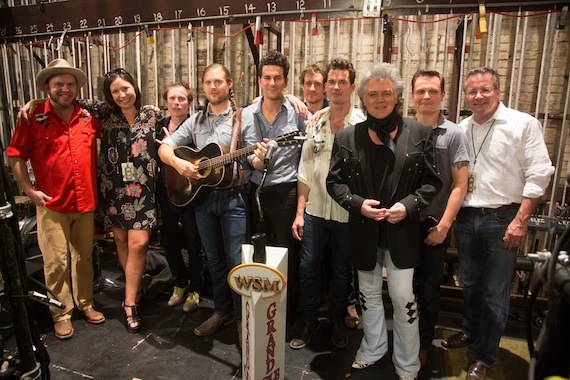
<point>291,138</point>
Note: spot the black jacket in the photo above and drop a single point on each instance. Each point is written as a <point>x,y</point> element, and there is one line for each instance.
<point>414,184</point>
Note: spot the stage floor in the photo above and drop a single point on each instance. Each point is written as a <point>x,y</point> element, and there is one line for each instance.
<point>166,347</point>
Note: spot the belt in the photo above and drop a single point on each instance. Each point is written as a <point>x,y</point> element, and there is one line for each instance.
<point>224,189</point>
<point>279,188</point>
<point>488,211</point>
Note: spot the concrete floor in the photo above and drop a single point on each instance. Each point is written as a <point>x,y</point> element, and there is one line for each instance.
<point>166,347</point>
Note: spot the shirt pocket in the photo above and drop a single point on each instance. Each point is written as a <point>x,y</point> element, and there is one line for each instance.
<point>47,141</point>
<point>88,134</point>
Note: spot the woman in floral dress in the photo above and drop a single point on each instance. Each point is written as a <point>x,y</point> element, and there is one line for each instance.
<point>127,169</point>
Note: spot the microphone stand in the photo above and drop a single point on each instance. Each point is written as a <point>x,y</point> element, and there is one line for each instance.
<point>258,240</point>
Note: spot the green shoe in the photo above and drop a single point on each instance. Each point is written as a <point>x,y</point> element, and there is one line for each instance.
<point>191,303</point>
<point>177,296</point>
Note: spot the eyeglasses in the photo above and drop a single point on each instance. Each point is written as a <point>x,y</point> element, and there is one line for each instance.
<point>118,71</point>
<point>484,92</point>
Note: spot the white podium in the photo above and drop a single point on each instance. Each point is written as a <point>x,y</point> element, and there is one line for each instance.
<point>264,311</point>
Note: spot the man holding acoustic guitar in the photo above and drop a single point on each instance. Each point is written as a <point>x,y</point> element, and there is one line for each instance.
<point>211,181</point>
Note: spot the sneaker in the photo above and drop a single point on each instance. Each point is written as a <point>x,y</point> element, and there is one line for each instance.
<point>191,303</point>
<point>351,319</point>
<point>303,339</point>
<point>339,334</point>
<point>177,296</point>
<point>63,329</point>
<point>213,324</point>
<point>359,364</point>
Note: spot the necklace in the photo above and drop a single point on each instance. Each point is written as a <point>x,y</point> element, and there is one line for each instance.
<point>484,139</point>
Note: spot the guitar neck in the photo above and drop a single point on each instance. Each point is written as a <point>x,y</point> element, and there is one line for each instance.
<point>228,158</point>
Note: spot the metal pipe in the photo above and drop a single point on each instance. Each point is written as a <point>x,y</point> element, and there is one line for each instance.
<point>560,156</point>
<point>521,60</point>
<point>376,40</point>
<point>461,62</point>
<point>408,68</point>
<point>121,49</point>
<point>445,52</point>
<point>354,50</point>
<point>436,45</point>
<point>172,57</point>
<point>227,55</point>
<point>400,45</point>
<point>32,76</point>
<point>423,42</point>
<point>488,40</point>
<point>7,86</point>
<point>209,45</point>
<point>138,58</point>
<point>19,75</point>
<point>292,47</point>
<point>545,49</point>
<point>89,70</point>
<point>513,66</point>
<point>306,44</point>
<point>309,36</point>
<point>155,61</point>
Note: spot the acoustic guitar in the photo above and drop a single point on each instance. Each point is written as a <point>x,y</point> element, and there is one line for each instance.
<point>215,165</point>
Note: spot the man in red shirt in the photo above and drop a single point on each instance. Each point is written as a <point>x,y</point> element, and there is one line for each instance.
<point>59,139</point>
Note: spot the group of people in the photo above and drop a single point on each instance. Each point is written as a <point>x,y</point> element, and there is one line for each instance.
<point>368,189</point>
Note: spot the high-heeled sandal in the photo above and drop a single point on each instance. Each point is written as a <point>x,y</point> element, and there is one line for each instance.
<point>133,320</point>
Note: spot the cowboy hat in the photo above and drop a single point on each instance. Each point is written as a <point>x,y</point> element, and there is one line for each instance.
<point>59,66</point>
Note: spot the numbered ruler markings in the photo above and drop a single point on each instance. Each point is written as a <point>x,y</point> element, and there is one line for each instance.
<point>62,16</point>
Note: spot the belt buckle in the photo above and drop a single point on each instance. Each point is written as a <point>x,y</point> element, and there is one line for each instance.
<point>483,212</point>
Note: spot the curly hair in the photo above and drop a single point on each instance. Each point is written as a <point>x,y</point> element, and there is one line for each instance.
<point>274,58</point>
<point>342,64</point>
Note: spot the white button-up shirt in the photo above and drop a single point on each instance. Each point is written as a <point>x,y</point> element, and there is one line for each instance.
<point>508,157</point>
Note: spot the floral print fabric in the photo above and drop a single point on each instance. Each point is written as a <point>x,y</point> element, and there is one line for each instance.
<point>127,167</point>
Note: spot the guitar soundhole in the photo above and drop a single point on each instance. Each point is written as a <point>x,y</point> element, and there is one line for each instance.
<point>206,167</point>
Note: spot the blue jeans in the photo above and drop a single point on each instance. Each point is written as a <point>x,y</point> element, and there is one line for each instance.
<point>427,282</point>
<point>487,271</point>
<point>317,232</point>
<point>184,276</point>
<point>222,223</point>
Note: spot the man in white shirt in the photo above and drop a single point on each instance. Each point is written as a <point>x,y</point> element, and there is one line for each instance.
<point>509,171</point>
<point>319,218</point>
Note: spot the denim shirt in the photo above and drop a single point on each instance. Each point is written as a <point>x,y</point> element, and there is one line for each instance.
<point>283,167</point>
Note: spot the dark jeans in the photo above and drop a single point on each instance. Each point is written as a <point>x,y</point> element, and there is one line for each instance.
<point>279,205</point>
<point>487,271</point>
<point>172,242</point>
<point>222,223</point>
<point>427,281</point>
<point>317,232</point>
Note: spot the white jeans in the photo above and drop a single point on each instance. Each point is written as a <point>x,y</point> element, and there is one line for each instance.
<point>374,343</point>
